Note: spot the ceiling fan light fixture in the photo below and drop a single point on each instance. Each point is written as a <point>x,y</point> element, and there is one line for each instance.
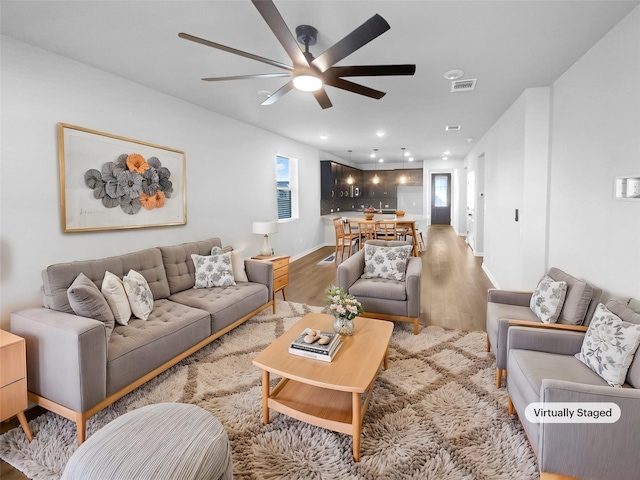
<point>307,83</point>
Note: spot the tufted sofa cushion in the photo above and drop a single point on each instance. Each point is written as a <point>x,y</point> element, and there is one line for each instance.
<point>56,279</point>
<point>225,304</point>
<point>141,346</point>
<point>178,263</point>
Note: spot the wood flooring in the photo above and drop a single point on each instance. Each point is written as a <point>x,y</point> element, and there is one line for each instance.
<point>454,286</point>
<point>454,292</point>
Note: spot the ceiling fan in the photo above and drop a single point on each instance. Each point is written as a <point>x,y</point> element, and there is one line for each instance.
<point>311,73</point>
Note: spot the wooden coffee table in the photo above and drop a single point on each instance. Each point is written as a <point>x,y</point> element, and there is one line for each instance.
<point>326,394</point>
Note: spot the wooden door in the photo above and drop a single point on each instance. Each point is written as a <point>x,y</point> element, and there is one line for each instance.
<point>441,199</point>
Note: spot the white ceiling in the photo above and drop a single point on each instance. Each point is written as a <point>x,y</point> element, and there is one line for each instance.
<point>507,45</point>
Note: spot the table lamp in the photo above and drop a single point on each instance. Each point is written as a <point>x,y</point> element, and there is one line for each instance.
<point>265,228</point>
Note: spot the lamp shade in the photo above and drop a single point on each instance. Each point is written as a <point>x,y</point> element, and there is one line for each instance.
<point>265,228</point>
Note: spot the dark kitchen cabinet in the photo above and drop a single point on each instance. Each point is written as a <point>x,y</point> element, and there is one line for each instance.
<point>385,187</point>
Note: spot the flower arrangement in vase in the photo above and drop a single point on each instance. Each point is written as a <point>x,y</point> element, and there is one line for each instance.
<point>344,309</point>
<point>369,212</point>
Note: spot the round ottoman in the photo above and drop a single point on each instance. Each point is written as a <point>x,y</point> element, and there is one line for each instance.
<point>166,441</point>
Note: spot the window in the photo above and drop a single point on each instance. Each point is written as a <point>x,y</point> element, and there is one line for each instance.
<point>441,188</point>
<point>287,187</point>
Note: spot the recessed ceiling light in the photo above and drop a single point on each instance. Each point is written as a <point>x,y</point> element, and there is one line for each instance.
<point>406,154</point>
<point>447,153</point>
<point>445,158</point>
<point>453,74</point>
<point>381,160</point>
<point>323,137</point>
<point>411,159</point>
<point>470,139</point>
<point>380,134</point>
<point>264,93</point>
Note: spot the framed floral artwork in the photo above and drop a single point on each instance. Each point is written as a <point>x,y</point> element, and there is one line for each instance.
<point>109,182</point>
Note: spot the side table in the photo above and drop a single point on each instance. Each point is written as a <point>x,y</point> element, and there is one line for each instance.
<point>13,379</point>
<point>280,273</point>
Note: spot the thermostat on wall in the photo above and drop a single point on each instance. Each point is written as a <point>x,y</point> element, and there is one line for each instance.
<point>627,188</point>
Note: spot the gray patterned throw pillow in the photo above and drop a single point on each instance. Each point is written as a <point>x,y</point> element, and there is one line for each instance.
<point>386,262</point>
<point>213,270</point>
<point>547,300</point>
<point>139,294</point>
<point>609,346</point>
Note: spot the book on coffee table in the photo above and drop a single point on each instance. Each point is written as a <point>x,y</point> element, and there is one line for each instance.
<point>314,349</point>
<point>325,357</point>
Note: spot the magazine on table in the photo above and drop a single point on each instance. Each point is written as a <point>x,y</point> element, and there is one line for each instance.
<point>316,341</point>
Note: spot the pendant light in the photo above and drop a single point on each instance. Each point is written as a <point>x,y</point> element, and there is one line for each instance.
<point>403,177</point>
<point>376,180</point>
<point>350,178</point>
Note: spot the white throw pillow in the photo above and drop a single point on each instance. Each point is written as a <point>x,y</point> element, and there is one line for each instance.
<point>113,291</point>
<point>237,265</point>
<point>386,262</point>
<point>139,294</point>
<point>213,271</point>
<point>548,299</point>
<point>609,346</point>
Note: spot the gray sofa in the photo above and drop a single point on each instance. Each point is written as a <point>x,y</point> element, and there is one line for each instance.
<point>74,371</point>
<point>383,298</point>
<point>542,368</point>
<point>507,307</point>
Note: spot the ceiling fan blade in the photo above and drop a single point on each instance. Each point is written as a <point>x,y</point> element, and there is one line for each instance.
<point>371,70</point>
<point>246,77</point>
<point>235,51</point>
<point>355,88</point>
<point>278,93</point>
<point>279,28</point>
<point>323,98</point>
<point>369,30</point>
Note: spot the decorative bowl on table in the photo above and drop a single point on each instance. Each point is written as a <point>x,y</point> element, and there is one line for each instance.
<point>399,213</point>
<point>369,213</point>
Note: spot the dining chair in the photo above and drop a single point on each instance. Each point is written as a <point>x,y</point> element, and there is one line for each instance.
<point>386,231</point>
<point>344,239</point>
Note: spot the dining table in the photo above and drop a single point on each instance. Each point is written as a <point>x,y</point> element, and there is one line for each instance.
<point>369,228</point>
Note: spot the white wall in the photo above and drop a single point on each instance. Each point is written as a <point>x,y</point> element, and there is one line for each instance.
<point>596,136</point>
<point>553,155</point>
<point>230,170</point>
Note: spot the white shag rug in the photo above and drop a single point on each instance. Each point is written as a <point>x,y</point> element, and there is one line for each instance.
<point>434,414</point>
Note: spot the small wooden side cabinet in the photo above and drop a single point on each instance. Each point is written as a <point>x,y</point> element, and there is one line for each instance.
<point>280,274</point>
<point>13,379</point>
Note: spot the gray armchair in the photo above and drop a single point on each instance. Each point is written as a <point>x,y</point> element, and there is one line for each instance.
<point>382,298</point>
<point>506,307</point>
<point>542,368</point>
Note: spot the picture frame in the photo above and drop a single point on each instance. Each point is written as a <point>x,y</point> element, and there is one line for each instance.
<point>108,182</point>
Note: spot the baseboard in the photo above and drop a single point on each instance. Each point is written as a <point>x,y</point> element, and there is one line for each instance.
<point>307,252</point>
<point>489,276</point>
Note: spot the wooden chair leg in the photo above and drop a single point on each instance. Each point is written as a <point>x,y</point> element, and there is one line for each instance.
<point>510,408</point>
<point>555,476</point>
<point>415,327</point>
<point>488,344</point>
<point>498,378</point>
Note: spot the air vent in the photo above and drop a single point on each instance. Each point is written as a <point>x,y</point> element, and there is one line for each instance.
<point>452,127</point>
<point>464,85</point>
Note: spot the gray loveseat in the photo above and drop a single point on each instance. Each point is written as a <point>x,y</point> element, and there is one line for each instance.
<point>507,307</point>
<point>74,371</point>
<point>542,368</point>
